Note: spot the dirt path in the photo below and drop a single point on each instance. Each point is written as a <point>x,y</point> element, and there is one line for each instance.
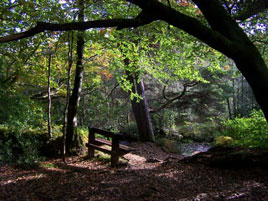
<point>149,174</point>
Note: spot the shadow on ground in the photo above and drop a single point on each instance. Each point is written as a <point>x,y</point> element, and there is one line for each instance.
<point>82,179</point>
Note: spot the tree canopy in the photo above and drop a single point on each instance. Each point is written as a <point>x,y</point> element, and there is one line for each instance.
<point>214,23</point>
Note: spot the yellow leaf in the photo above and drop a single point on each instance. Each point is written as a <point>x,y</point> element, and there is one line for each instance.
<point>227,67</point>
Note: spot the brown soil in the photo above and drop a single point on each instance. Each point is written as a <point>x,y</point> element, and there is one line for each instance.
<point>149,174</point>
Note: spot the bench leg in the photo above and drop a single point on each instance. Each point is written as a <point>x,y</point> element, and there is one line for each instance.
<point>114,159</point>
<point>91,152</point>
<point>115,151</point>
<point>91,139</point>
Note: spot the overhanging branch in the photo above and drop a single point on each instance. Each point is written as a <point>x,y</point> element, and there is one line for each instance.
<point>43,26</point>
<point>152,10</point>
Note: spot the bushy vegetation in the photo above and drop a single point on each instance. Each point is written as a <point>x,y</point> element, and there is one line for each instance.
<point>248,132</point>
<point>26,147</point>
<point>21,147</point>
<point>19,111</point>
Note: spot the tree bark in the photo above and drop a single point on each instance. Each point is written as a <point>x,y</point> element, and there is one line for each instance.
<point>70,63</point>
<point>49,97</point>
<point>141,111</point>
<point>238,100</point>
<point>256,73</point>
<point>229,108</point>
<point>71,138</point>
<point>234,100</point>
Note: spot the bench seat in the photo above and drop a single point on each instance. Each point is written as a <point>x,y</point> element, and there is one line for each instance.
<point>115,149</point>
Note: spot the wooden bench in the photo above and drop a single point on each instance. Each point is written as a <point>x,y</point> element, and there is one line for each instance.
<point>115,149</point>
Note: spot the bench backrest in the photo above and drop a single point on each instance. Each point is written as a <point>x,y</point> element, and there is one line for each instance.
<point>105,133</point>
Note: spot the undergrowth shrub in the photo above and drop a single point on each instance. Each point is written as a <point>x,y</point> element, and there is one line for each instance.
<point>20,147</point>
<point>19,111</point>
<point>248,132</point>
<point>27,146</point>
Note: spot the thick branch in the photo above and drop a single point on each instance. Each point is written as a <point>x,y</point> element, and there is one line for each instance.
<point>153,10</point>
<point>220,20</point>
<point>169,101</point>
<point>42,26</point>
<point>213,38</point>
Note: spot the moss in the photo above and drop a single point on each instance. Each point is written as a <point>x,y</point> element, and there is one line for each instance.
<point>224,140</point>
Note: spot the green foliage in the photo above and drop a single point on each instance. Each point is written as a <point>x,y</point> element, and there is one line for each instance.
<point>164,125</point>
<point>106,112</point>
<point>20,147</point>
<point>19,111</point>
<point>165,118</point>
<point>248,132</point>
<point>26,146</point>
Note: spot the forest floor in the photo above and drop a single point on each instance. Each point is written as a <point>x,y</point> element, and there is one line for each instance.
<point>149,173</point>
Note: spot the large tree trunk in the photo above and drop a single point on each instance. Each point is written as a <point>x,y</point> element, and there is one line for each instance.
<point>256,73</point>
<point>141,111</point>
<point>244,53</point>
<point>71,135</point>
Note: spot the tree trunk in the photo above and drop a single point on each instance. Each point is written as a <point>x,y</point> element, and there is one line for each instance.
<point>71,138</point>
<point>70,63</point>
<point>234,100</point>
<point>49,98</point>
<point>243,108</point>
<point>256,73</point>
<point>229,108</point>
<point>238,47</point>
<point>238,102</point>
<point>141,112</point>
